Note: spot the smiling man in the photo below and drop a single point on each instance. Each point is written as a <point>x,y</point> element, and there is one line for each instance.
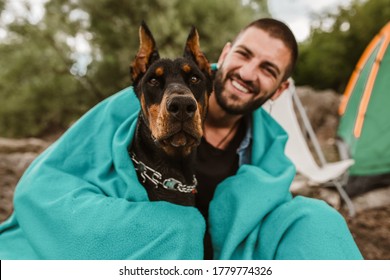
<point>243,174</point>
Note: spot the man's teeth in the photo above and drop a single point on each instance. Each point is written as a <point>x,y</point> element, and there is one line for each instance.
<point>239,87</point>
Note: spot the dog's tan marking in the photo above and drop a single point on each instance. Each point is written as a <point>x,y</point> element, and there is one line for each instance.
<point>186,68</point>
<point>159,71</point>
<point>158,119</point>
<point>163,119</point>
<point>153,120</point>
<point>143,106</point>
<point>203,108</point>
<point>198,120</point>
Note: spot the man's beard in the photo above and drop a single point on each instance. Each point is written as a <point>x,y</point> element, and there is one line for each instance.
<point>236,109</point>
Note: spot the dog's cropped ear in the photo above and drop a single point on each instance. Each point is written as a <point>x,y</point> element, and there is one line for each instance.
<point>192,51</point>
<point>147,53</point>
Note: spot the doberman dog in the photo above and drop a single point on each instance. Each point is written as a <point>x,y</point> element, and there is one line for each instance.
<point>174,98</point>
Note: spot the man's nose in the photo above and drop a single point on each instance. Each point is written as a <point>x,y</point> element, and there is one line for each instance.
<point>248,71</point>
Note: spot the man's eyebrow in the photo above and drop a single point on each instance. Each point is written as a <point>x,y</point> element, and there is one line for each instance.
<point>266,63</point>
<point>245,49</point>
<point>273,65</point>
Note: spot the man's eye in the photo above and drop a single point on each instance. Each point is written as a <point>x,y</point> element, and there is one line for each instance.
<point>154,82</point>
<point>272,72</point>
<point>194,80</point>
<point>242,53</point>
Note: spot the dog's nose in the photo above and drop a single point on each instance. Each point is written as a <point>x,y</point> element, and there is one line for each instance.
<point>181,107</point>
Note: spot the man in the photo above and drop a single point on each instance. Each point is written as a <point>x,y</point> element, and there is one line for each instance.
<point>81,198</point>
<point>251,70</point>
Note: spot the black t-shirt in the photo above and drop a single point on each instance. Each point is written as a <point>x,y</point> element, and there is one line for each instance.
<point>212,166</point>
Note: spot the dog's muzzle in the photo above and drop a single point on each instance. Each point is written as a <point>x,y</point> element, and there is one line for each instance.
<point>179,127</point>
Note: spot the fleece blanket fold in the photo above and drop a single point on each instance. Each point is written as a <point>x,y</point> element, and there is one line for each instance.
<point>81,199</point>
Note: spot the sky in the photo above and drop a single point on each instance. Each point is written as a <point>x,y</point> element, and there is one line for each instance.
<point>297,13</point>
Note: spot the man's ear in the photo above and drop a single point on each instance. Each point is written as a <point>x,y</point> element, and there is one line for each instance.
<point>283,86</point>
<point>192,51</point>
<point>146,55</point>
<point>224,53</point>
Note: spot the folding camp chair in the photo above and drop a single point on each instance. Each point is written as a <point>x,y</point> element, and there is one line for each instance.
<point>282,110</point>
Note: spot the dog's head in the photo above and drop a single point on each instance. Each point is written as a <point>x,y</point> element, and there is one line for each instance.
<point>173,93</point>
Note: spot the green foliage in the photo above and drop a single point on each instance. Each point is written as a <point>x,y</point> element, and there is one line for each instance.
<point>329,56</point>
<point>42,85</point>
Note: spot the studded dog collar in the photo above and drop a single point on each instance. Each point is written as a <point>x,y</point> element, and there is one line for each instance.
<point>155,177</point>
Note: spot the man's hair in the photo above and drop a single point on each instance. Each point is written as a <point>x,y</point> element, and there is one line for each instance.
<point>281,31</point>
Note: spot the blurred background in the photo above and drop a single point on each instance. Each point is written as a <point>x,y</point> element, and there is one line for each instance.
<point>58,58</point>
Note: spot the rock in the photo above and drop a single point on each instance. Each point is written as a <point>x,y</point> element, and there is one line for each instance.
<point>377,198</point>
<point>8,146</point>
<point>15,156</point>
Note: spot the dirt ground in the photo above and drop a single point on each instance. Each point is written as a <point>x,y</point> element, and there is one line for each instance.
<point>371,230</point>
<point>370,227</point>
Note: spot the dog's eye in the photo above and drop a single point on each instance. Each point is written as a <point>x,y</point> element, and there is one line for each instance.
<point>153,82</point>
<point>194,80</point>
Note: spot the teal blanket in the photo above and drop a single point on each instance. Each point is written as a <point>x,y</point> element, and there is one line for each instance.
<point>81,199</point>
